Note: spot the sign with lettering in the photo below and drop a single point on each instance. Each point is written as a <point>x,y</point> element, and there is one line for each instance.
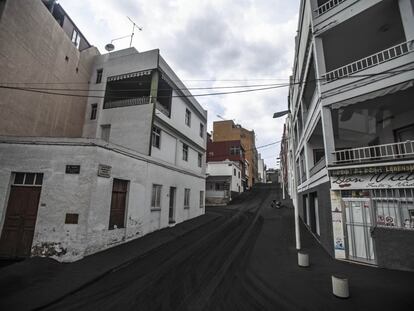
<point>373,181</point>
<point>104,171</point>
<point>373,170</point>
<point>72,169</point>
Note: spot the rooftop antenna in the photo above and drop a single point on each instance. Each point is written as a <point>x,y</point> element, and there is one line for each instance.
<point>133,30</point>
<point>110,46</point>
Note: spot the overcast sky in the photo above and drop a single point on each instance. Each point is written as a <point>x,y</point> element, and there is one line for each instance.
<point>248,41</point>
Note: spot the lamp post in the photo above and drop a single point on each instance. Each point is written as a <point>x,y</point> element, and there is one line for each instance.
<point>295,205</point>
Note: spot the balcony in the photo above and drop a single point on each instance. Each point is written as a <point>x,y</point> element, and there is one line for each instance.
<point>327,6</point>
<point>378,153</point>
<point>370,61</point>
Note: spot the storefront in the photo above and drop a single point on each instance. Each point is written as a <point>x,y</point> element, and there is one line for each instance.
<point>368,200</point>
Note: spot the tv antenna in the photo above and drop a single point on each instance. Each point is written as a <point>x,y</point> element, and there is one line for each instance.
<point>110,46</point>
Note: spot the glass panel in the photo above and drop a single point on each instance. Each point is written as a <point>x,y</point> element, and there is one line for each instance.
<point>39,179</point>
<point>18,178</point>
<point>29,180</point>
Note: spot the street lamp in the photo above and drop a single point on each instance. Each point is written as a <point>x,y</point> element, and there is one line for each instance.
<point>280,114</point>
<point>295,205</point>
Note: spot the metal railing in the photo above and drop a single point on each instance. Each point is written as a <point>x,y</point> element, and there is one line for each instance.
<point>322,9</point>
<point>393,151</point>
<point>318,166</point>
<point>126,102</point>
<point>370,61</point>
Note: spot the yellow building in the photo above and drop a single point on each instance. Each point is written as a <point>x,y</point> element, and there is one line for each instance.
<point>228,130</point>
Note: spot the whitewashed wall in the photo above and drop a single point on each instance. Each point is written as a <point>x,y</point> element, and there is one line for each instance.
<point>90,195</point>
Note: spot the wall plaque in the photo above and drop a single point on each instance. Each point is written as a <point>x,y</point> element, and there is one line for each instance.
<point>72,169</point>
<point>71,219</point>
<point>104,170</point>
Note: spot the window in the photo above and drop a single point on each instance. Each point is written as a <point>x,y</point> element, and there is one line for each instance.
<point>94,108</point>
<point>188,117</point>
<point>185,152</point>
<point>239,176</point>
<point>99,76</point>
<point>28,179</point>
<point>234,171</point>
<point>201,130</point>
<point>186,198</point>
<point>105,132</point>
<point>235,150</point>
<point>201,199</point>
<point>156,196</point>
<point>156,137</point>
<point>75,38</point>
<point>200,160</point>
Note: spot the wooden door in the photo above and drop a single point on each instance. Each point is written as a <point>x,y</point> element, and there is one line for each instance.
<point>17,234</point>
<point>118,203</point>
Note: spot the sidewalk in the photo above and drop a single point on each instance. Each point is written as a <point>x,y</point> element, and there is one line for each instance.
<point>36,282</point>
<point>273,274</point>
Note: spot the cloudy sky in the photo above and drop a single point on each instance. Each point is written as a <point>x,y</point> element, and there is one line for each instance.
<point>209,43</point>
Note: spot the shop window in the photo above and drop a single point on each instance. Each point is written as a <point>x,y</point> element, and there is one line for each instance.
<point>394,208</point>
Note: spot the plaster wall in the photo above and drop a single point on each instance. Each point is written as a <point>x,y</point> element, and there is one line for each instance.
<point>130,126</point>
<point>90,196</point>
<point>38,50</point>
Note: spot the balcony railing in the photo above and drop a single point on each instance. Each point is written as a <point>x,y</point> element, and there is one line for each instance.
<point>317,167</point>
<point>370,61</point>
<point>126,102</point>
<point>386,152</point>
<point>322,9</point>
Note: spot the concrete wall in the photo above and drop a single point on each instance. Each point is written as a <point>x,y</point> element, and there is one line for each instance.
<point>325,217</point>
<point>90,196</point>
<point>130,126</point>
<point>38,50</point>
<point>394,248</point>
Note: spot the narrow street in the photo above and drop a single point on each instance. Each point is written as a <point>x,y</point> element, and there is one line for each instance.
<point>242,259</point>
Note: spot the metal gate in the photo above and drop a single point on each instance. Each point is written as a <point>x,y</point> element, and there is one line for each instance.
<point>358,224</point>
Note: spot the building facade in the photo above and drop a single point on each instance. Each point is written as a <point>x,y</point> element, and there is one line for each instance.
<point>228,130</point>
<point>40,53</point>
<point>229,150</point>
<point>224,182</point>
<point>261,169</point>
<point>134,162</point>
<point>350,132</point>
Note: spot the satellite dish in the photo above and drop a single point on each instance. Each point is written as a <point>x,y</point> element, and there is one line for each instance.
<point>109,47</point>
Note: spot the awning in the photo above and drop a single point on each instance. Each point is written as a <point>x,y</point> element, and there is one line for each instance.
<point>129,75</point>
<point>385,91</point>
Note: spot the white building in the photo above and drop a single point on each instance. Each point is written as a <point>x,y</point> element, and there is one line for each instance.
<point>261,169</point>
<point>224,182</point>
<point>138,167</point>
<point>351,131</point>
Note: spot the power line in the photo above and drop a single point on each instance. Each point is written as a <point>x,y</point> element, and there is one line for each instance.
<point>48,92</point>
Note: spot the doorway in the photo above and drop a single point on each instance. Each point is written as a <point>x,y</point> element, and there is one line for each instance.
<point>118,204</point>
<point>21,214</point>
<point>171,216</point>
<point>358,223</point>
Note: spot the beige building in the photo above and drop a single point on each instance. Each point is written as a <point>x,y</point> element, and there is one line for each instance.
<point>228,130</point>
<point>45,50</point>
